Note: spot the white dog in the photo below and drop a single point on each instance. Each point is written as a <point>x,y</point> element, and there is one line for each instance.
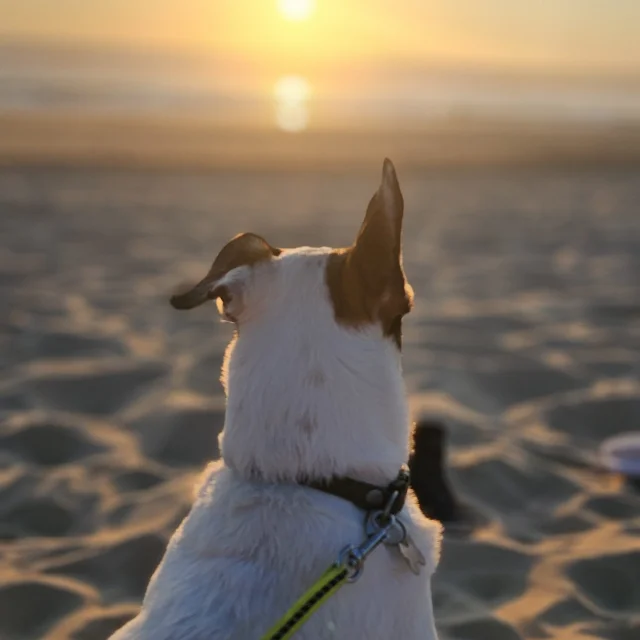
<point>314,393</point>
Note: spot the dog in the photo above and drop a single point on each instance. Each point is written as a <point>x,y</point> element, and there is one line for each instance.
<point>315,392</point>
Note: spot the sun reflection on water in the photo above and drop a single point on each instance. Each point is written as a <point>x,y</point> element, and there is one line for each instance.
<point>292,95</point>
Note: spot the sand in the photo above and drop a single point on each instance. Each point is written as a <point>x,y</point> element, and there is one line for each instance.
<point>525,340</point>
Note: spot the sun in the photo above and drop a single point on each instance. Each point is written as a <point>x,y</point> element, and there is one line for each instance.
<point>296,10</point>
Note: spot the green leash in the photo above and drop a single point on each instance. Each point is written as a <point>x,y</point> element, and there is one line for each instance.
<point>346,569</point>
<point>332,579</point>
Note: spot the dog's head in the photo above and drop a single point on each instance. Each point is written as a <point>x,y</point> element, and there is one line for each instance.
<point>364,284</point>
<point>313,378</point>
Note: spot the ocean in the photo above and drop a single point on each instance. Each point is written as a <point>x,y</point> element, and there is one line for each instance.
<point>109,81</point>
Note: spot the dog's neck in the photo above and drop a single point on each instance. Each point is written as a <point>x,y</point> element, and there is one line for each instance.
<point>310,399</point>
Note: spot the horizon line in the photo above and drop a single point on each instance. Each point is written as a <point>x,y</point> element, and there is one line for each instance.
<point>496,70</point>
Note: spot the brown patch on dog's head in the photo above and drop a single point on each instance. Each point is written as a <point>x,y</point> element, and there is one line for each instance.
<point>366,282</point>
<point>246,249</point>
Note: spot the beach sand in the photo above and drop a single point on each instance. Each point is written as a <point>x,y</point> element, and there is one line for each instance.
<point>525,340</point>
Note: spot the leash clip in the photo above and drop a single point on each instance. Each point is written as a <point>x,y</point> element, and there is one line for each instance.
<point>382,527</point>
<point>353,557</point>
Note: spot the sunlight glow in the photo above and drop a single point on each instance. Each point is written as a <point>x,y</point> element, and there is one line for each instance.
<point>292,95</point>
<point>296,10</point>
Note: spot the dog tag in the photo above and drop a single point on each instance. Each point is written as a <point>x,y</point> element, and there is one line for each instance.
<point>414,557</point>
<point>396,534</point>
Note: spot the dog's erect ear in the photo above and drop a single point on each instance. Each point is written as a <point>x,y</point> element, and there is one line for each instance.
<point>245,250</point>
<point>376,256</point>
<point>366,281</point>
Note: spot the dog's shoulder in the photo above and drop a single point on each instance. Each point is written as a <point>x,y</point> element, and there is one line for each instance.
<point>207,478</point>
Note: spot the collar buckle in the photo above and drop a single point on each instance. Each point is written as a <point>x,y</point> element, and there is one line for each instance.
<point>369,497</point>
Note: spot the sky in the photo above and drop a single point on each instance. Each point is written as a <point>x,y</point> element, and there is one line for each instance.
<point>302,63</point>
<point>586,36</point>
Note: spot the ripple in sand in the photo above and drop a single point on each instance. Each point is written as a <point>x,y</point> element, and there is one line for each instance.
<point>564,525</point>
<point>13,401</point>
<point>611,368</point>
<point>448,604</point>
<point>136,480</point>
<point>182,438</point>
<point>466,434</point>
<point>483,629</point>
<point>614,313</point>
<point>503,486</point>
<point>102,625</point>
<point>610,582</point>
<point>476,324</point>
<point>96,392</point>
<point>441,343</point>
<point>120,572</point>
<point>49,444</point>
<point>492,392</point>
<point>597,419</point>
<point>43,517</point>
<point>614,507</point>
<point>565,613</point>
<point>28,609</point>
<point>615,631</point>
<point>161,513</point>
<point>72,345</point>
<point>479,557</point>
<point>204,377</point>
<point>494,587</point>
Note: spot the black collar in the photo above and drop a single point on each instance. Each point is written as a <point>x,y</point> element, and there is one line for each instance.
<point>366,496</point>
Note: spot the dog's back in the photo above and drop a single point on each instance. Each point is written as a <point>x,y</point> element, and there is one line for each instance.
<point>247,552</point>
<point>314,392</point>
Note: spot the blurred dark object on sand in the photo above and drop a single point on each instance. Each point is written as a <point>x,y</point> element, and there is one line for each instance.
<point>428,476</point>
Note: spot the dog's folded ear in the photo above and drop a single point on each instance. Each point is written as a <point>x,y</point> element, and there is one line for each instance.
<point>245,250</point>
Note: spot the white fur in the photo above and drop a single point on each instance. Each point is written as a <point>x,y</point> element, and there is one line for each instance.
<point>307,397</point>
